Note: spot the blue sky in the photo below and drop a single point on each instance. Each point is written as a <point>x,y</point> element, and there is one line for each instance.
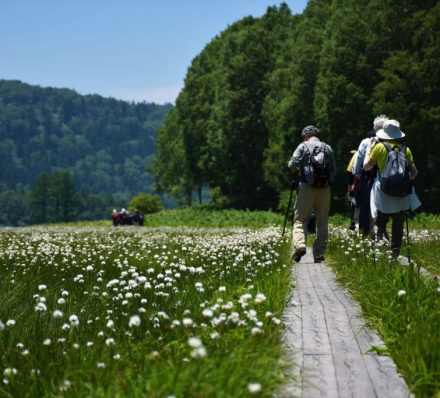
<point>136,50</point>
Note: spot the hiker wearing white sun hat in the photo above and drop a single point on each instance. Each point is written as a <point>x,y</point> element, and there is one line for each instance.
<point>385,205</point>
<point>364,180</point>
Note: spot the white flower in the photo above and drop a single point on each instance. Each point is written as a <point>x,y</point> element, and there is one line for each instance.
<point>135,321</point>
<point>234,317</point>
<point>64,293</point>
<point>109,342</point>
<point>57,314</point>
<point>47,342</point>
<point>259,298</point>
<point>74,321</point>
<point>207,312</point>
<point>254,388</point>
<point>61,301</point>
<point>66,385</point>
<point>110,324</point>
<point>40,307</point>
<point>187,321</point>
<point>10,322</point>
<point>222,289</point>
<point>89,343</point>
<point>214,335</point>
<point>256,331</point>
<point>9,372</point>
<point>194,342</point>
<point>42,287</point>
<point>401,293</point>
<point>100,365</point>
<point>113,282</point>
<point>199,353</point>
<point>245,297</point>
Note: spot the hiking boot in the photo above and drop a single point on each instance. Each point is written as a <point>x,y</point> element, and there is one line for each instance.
<point>298,254</point>
<point>319,259</point>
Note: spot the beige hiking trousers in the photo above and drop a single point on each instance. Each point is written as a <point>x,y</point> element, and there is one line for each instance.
<point>307,199</point>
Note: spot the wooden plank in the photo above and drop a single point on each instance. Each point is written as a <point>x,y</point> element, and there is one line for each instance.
<point>330,343</point>
<point>319,377</point>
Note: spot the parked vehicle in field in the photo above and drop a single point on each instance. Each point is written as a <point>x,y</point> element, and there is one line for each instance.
<point>124,217</point>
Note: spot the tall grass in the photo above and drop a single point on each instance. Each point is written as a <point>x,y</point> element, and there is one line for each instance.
<point>137,312</point>
<point>402,305</point>
<point>199,217</point>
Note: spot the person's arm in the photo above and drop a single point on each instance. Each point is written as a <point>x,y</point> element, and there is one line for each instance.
<point>295,161</point>
<point>360,159</point>
<point>412,171</point>
<point>369,162</point>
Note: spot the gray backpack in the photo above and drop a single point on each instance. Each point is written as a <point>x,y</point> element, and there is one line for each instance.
<point>394,180</point>
<point>317,169</point>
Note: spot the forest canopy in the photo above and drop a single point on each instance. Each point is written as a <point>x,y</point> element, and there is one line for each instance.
<point>252,89</point>
<point>103,143</point>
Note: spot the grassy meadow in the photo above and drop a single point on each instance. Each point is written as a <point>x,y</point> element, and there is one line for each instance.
<point>160,312</point>
<point>401,304</point>
<point>190,305</point>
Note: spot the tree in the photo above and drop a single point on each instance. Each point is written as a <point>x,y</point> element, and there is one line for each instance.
<point>65,198</point>
<point>145,203</point>
<point>40,198</point>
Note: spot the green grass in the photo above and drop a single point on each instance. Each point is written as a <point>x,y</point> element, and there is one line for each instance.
<point>207,218</point>
<point>416,222</point>
<point>409,321</point>
<point>198,217</point>
<point>164,275</point>
<point>426,254</point>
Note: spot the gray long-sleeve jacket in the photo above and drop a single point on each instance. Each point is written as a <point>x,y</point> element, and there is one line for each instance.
<point>300,157</point>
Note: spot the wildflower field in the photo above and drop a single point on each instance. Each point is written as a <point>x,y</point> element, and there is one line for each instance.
<point>157,312</point>
<point>400,302</point>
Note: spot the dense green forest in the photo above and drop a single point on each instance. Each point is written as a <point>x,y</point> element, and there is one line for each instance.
<point>103,143</point>
<point>252,89</point>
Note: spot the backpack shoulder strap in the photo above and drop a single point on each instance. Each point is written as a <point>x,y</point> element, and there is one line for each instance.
<point>308,146</point>
<point>387,146</point>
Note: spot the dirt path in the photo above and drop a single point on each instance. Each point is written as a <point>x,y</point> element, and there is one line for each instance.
<point>327,339</point>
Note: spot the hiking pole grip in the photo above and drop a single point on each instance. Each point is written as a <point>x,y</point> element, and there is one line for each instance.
<point>288,206</point>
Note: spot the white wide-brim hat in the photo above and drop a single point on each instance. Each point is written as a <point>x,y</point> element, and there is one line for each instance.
<point>390,131</point>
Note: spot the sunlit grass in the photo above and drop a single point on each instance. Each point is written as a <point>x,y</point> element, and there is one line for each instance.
<point>402,305</point>
<point>225,287</point>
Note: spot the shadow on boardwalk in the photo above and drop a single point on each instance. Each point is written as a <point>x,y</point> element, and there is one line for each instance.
<point>330,344</point>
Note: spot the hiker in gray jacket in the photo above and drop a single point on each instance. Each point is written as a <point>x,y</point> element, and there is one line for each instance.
<point>314,163</point>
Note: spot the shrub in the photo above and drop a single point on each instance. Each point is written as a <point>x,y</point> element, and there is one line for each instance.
<point>145,203</point>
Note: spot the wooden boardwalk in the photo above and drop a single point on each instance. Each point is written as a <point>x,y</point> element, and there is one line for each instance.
<point>329,343</point>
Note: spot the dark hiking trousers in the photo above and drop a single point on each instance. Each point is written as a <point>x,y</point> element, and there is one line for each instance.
<point>365,220</point>
<point>396,229</point>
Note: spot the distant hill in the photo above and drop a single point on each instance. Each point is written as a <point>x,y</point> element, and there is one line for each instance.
<point>105,143</point>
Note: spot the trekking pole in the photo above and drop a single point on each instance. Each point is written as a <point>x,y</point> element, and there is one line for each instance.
<point>288,207</point>
<point>407,238</point>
